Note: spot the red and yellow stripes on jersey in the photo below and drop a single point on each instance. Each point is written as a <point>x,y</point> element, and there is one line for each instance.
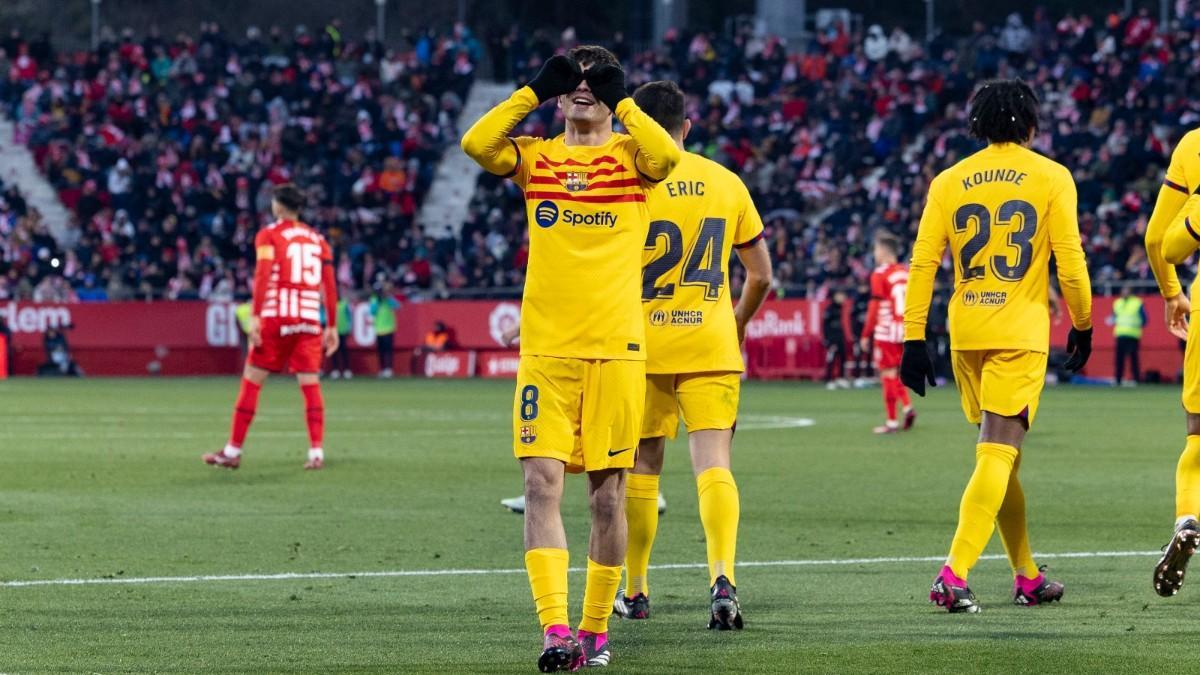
<point>603,180</point>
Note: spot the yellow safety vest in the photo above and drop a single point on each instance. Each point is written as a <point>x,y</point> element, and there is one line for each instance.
<point>1128,314</point>
<point>244,312</point>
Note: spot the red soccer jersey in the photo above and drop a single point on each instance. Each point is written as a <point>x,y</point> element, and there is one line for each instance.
<point>294,271</point>
<point>886,315</point>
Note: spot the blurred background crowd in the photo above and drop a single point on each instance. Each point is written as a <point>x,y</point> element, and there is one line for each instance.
<point>163,148</point>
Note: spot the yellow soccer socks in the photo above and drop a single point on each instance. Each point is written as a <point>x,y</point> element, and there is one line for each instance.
<point>1187,482</point>
<point>547,568</point>
<point>719,512</point>
<point>602,583</point>
<point>641,514</point>
<point>1013,531</point>
<point>980,505</point>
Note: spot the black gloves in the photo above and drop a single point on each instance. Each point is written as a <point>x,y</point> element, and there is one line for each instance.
<point>559,75</point>
<point>607,83</point>
<point>1079,348</point>
<point>916,367</point>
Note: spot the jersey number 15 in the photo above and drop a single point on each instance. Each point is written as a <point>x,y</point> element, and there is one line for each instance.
<point>305,260</point>
<point>704,265</point>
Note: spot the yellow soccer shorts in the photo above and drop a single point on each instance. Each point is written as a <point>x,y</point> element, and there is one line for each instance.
<point>585,413</point>
<point>1191,368</point>
<point>1005,382</point>
<point>706,401</point>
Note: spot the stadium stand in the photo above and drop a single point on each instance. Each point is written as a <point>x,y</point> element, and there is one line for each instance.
<point>163,148</point>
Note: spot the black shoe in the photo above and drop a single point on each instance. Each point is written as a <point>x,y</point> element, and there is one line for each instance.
<point>637,607</point>
<point>726,611</point>
<point>1168,573</point>
<point>560,653</point>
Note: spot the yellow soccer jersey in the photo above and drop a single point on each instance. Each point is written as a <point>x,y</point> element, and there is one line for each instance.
<point>1002,211</point>
<point>1183,235</point>
<point>697,216</point>
<point>587,219</point>
<point>1183,178</point>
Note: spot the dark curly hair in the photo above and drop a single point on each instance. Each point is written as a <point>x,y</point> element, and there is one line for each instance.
<point>592,55</point>
<point>1003,111</point>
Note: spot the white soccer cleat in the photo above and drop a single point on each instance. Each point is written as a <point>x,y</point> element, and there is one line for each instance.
<point>516,504</point>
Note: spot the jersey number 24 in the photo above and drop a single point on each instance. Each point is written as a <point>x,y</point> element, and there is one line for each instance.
<point>704,265</point>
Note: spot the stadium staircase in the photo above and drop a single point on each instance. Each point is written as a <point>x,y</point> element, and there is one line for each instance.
<point>18,168</point>
<point>445,207</point>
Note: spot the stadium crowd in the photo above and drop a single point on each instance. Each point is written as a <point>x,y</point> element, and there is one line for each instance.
<point>164,148</point>
<point>844,137</point>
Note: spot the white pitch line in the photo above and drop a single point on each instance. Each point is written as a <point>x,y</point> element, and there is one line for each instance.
<point>290,576</point>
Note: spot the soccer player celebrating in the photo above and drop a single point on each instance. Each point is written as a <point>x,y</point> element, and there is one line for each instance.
<point>582,376</point>
<point>694,360</point>
<point>1002,211</point>
<point>293,275</point>
<point>1171,238</point>
<point>885,322</point>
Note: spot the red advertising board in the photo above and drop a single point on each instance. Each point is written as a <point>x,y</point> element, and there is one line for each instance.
<point>193,338</point>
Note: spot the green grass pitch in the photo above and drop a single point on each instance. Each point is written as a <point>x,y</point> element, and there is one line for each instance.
<point>102,479</point>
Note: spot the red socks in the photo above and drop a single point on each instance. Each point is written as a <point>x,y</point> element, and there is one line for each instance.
<point>247,405</point>
<point>243,412</point>
<point>902,394</point>
<point>314,413</point>
<point>889,396</point>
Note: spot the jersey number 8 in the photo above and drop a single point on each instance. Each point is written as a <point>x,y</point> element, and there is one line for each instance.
<point>1020,239</point>
<point>703,267</point>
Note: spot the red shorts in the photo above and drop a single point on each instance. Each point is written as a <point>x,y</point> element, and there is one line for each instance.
<point>295,345</point>
<point>887,355</point>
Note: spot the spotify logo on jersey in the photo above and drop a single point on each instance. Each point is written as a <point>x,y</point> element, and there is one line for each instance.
<point>546,213</point>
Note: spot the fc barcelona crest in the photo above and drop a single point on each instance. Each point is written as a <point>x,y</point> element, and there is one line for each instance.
<point>528,434</point>
<point>576,181</point>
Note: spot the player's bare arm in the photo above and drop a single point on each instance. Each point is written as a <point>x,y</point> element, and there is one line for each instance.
<point>757,261</point>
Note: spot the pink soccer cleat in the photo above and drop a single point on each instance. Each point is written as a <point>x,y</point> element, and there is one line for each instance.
<point>1036,591</point>
<point>910,418</point>
<point>596,653</point>
<point>952,593</point>
<point>222,460</point>
<point>560,651</point>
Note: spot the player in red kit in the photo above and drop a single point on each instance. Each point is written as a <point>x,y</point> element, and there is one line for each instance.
<point>293,275</point>
<point>885,322</point>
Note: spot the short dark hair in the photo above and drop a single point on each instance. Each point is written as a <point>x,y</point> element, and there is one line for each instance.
<point>889,241</point>
<point>664,102</point>
<point>1003,111</point>
<point>593,55</point>
<point>289,196</point>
